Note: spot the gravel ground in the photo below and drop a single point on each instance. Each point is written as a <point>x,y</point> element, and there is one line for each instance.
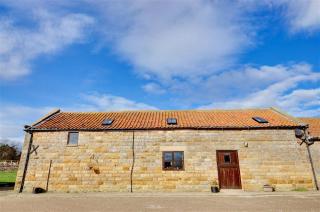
<point>291,201</point>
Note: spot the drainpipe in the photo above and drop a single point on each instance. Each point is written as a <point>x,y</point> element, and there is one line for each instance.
<point>133,160</point>
<point>308,143</point>
<point>27,130</point>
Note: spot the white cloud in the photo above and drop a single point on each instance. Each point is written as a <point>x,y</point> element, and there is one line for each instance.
<point>189,39</point>
<point>299,15</point>
<point>162,40</point>
<point>21,45</point>
<point>282,91</point>
<point>13,117</point>
<point>303,14</point>
<point>167,39</point>
<point>153,88</point>
<point>103,102</point>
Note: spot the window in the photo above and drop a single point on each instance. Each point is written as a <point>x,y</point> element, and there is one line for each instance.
<point>260,120</point>
<point>171,121</point>
<point>73,138</point>
<point>172,161</point>
<point>226,158</point>
<point>107,122</point>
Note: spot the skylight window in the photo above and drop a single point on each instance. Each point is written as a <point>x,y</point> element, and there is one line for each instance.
<point>171,121</point>
<point>107,122</point>
<point>260,120</point>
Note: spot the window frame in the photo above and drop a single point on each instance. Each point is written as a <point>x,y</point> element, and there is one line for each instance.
<point>68,140</point>
<point>173,160</point>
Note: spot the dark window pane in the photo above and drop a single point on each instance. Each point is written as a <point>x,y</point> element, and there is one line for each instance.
<point>227,158</point>
<point>168,156</point>
<point>260,120</point>
<point>178,164</point>
<point>173,160</point>
<point>178,155</point>
<point>171,121</point>
<point>167,165</point>
<point>73,138</point>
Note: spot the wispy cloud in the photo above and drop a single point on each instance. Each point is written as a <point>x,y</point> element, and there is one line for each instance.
<point>105,102</point>
<point>153,88</point>
<point>13,117</point>
<point>167,39</point>
<point>302,15</point>
<point>21,45</point>
<point>276,86</point>
<point>162,40</point>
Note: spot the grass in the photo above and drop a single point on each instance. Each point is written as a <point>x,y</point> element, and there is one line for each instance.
<point>300,189</point>
<point>8,176</point>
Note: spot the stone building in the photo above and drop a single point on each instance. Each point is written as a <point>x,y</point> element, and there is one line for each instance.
<point>166,151</point>
<point>314,131</point>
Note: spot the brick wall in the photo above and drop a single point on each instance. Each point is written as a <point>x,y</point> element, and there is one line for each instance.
<point>102,161</point>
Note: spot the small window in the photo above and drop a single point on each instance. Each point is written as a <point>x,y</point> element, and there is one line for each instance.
<point>260,120</point>
<point>73,138</point>
<point>107,122</point>
<point>173,160</point>
<point>171,121</point>
<point>226,158</point>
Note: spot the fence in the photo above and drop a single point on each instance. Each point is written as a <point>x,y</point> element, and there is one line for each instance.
<point>9,165</point>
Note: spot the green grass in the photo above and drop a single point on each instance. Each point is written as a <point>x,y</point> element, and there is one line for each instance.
<point>300,189</point>
<point>8,176</point>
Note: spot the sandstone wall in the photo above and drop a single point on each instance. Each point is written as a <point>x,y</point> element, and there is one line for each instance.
<point>102,161</point>
<point>315,154</point>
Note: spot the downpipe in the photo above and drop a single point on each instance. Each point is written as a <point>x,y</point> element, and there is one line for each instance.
<point>27,130</point>
<point>308,144</point>
<point>132,167</point>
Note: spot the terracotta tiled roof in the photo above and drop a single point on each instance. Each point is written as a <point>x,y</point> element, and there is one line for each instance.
<point>314,125</point>
<point>192,119</point>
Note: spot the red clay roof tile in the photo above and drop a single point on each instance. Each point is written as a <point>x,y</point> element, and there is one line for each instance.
<point>192,119</point>
<point>314,125</point>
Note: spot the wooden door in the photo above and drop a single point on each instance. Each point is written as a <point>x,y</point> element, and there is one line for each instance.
<point>228,169</point>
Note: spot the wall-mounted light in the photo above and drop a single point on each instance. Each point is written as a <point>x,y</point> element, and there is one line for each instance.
<point>245,144</point>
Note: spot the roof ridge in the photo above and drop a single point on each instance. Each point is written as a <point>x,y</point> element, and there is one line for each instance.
<point>187,110</point>
<point>288,116</point>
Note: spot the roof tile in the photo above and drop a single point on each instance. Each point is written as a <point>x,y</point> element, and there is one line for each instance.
<point>314,125</point>
<point>192,119</point>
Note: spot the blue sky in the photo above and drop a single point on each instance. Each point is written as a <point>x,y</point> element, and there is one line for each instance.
<point>130,55</point>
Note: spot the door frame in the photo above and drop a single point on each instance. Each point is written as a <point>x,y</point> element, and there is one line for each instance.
<point>239,173</point>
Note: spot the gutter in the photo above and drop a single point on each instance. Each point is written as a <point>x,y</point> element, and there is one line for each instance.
<point>170,128</point>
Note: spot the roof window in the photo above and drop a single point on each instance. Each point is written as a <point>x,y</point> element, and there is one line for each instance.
<point>107,122</point>
<point>260,120</point>
<point>172,121</point>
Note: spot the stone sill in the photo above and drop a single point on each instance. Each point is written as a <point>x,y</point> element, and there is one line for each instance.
<point>72,145</point>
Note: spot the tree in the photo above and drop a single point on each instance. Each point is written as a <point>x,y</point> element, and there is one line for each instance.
<point>8,152</point>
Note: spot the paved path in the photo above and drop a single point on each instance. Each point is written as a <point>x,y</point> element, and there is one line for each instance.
<point>291,201</point>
